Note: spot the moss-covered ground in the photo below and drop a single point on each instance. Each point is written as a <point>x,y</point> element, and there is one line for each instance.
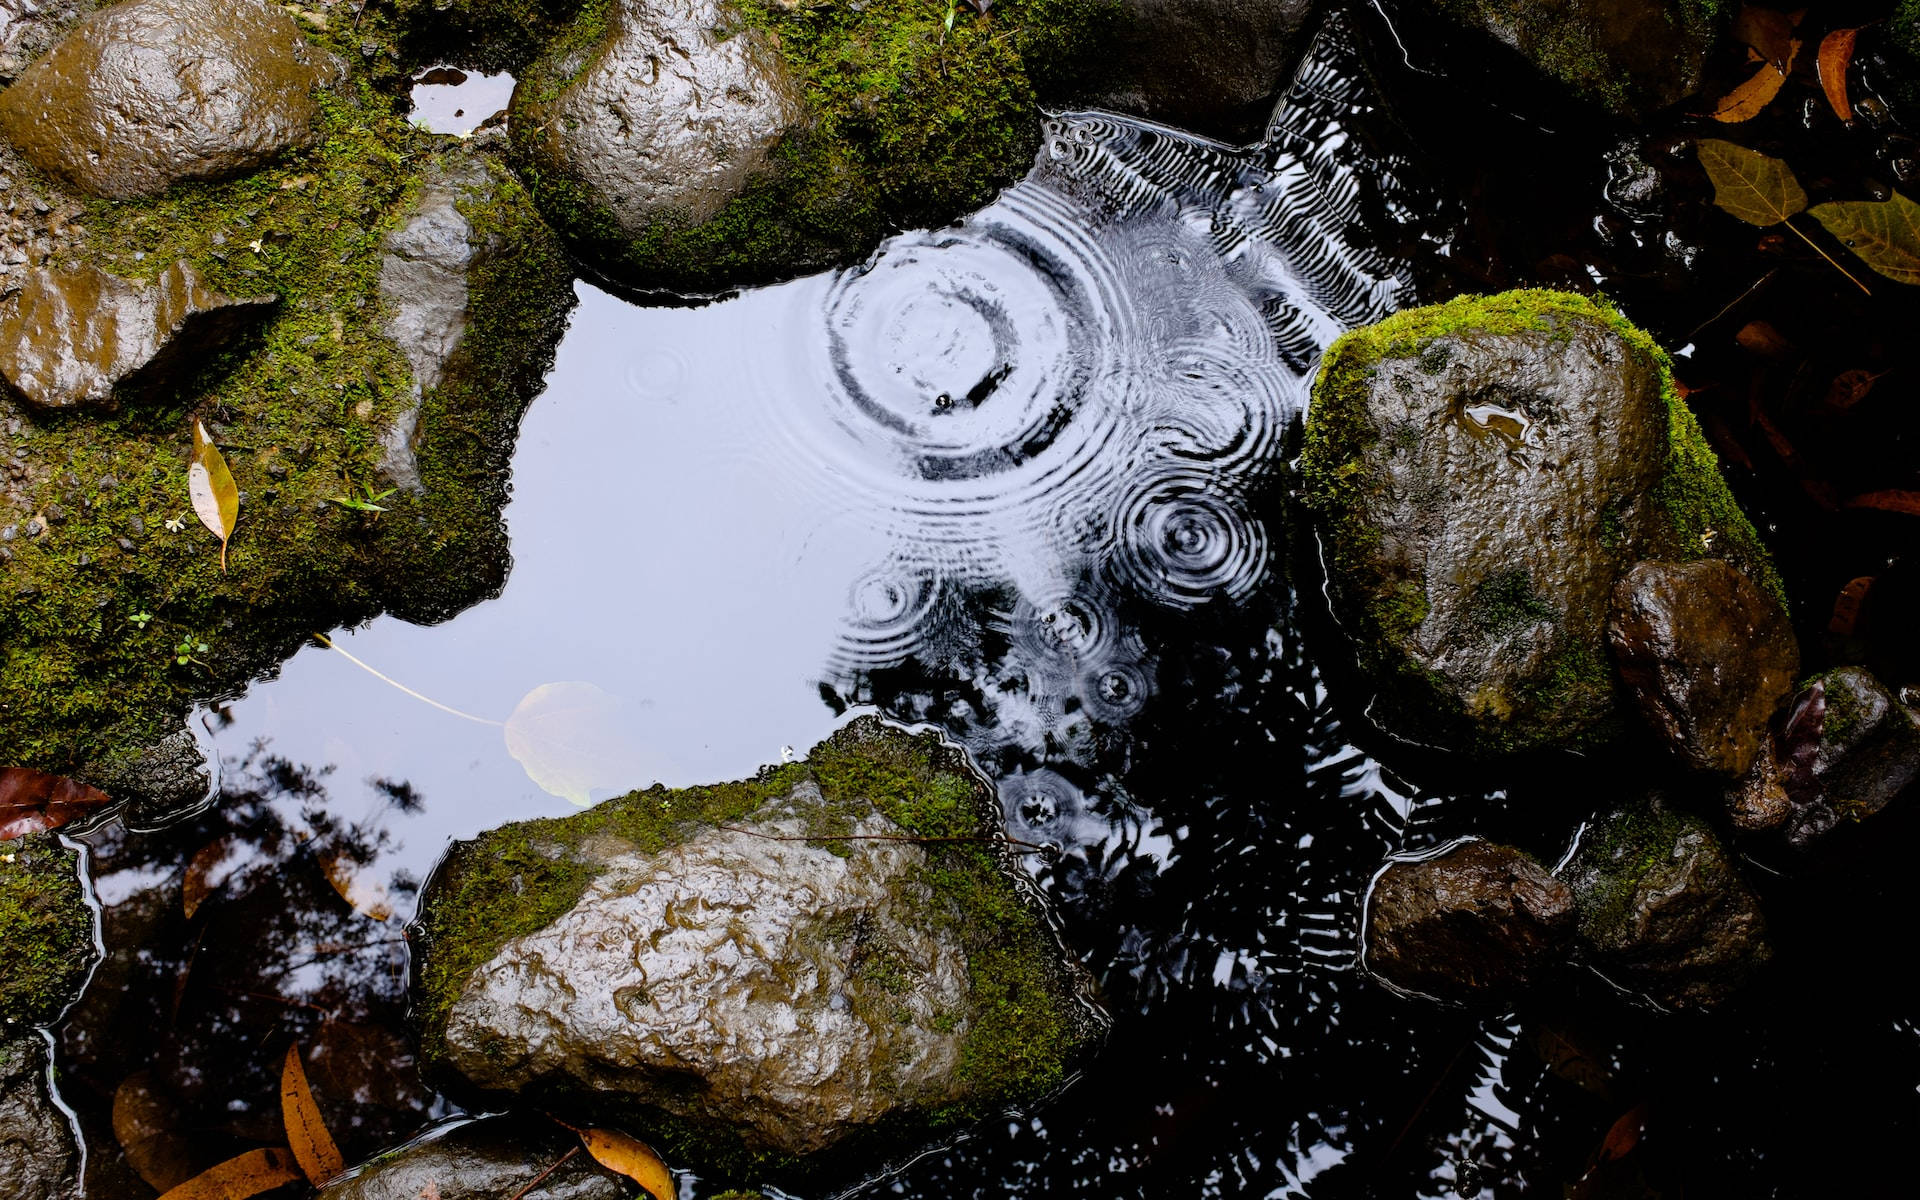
<point>46,931</point>
<point>92,610</point>
<point>1025,1028</point>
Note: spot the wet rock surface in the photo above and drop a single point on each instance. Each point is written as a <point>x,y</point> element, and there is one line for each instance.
<point>38,1157</point>
<point>1484,472</point>
<point>1475,922</point>
<point>1707,656</point>
<point>1662,909</point>
<point>483,1160</point>
<point>670,116</point>
<point>28,27</point>
<point>1847,747</point>
<point>146,94</point>
<point>754,988</point>
<point>159,782</point>
<point>72,337</point>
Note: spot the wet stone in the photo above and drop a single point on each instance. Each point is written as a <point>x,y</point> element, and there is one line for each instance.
<point>1846,748</point>
<point>160,781</point>
<point>1707,657</point>
<point>1474,923</point>
<point>38,1157</point>
<point>150,93</point>
<point>487,1159</point>
<point>72,337</point>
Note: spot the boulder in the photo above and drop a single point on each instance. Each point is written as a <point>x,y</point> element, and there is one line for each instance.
<point>1482,473</point>
<point>72,338</point>
<point>774,978</point>
<point>146,94</point>
<point>1707,656</point>
<point>1662,910</point>
<point>486,1159</point>
<point>1632,57</point>
<point>1845,750</point>
<point>160,782</point>
<point>1475,922</point>
<point>669,116</point>
<point>47,930</point>
<point>38,1157</point>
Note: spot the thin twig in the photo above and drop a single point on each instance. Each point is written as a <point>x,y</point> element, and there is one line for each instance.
<point>1734,303</point>
<point>1031,847</point>
<point>326,641</point>
<point>542,1176</point>
<point>1823,254</point>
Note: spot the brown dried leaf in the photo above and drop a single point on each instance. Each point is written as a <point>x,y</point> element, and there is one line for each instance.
<point>1623,1136</point>
<point>216,498</point>
<point>630,1157</point>
<point>1885,234</point>
<point>1745,102</point>
<point>1888,501</point>
<point>1759,190</point>
<point>1836,52</point>
<point>356,886</point>
<point>1761,338</point>
<point>249,1174</point>
<point>307,1132</point>
<point>143,1123</point>
<point>1768,31</point>
<point>1565,1057</point>
<point>1851,387</point>
<point>1846,606</point>
<point>209,868</point>
<point>32,801</point>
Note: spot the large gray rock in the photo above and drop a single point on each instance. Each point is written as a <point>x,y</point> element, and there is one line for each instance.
<point>71,338</point>
<point>38,1157</point>
<point>149,93</point>
<point>1473,923</point>
<point>1662,909</point>
<point>669,116</point>
<point>707,968</point>
<point>1707,655</point>
<point>488,1159</point>
<point>1847,748</point>
<point>1483,472</point>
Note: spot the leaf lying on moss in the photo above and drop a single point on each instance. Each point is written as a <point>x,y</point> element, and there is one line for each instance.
<point>32,801</point>
<point>216,499</point>
<point>1885,234</point>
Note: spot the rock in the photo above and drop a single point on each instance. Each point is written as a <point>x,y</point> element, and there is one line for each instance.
<point>1216,67</point>
<point>486,1159</point>
<point>47,930</point>
<point>1631,56</point>
<point>1482,473</point>
<point>1662,910</point>
<point>38,1157</point>
<point>72,337</point>
<point>146,94</point>
<point>28,27</point>
<point>669,116</point>
<point>1476,922</point>
<point>1707,656</point>
<point>763,1004</point>
<point>160,783</point>
<point>1847,748</point>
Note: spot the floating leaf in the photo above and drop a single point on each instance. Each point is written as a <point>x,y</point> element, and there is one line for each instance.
<point>570,739</point>
<point>1745,102</point>
<point>32,801</point>
<point>367,895</point>
<point>1885,234</point>
<point>1889,501</point>
<point>307,1134</point>
<point>250,1174</point>
<point>209,868</point>
<point>1836,52</point>
<point>144,1124</point>
<point>1759,190</point>
<point>1568,1059</point>
<point>1846,606</point>
<point>630,1157</point>
<point>216,500</point>
<point>1761,338</point>
<point>1851,387</point>
<point>1769,31</point>
<point>1623,1136</point>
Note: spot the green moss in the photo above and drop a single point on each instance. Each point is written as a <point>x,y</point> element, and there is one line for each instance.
<point>1023,1031</point>
<point>1617,855</point>
<point>909,124</point>
<point>46,928</point>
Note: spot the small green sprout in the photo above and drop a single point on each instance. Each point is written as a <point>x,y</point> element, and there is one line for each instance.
<point>186,651</point>
<point>367,502</point>
<point>140,619</point>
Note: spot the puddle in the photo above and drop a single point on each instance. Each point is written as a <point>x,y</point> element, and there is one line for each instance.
<point>450,100</point>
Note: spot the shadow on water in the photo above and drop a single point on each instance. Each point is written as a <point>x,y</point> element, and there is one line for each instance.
<point>1019,478</point>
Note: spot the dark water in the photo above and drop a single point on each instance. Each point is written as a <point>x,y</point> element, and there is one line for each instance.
<point>1020,478</point>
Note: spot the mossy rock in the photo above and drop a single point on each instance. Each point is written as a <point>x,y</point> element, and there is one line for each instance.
<point>879,974</point>
<point>1482,472</point>
<point>46,928</point>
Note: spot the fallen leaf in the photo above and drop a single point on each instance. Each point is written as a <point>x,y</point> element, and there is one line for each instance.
<point>1759,190</point>
<point>1836,52</point>
<point>32,801</point>
<point>1768,31</point>
<point>1623,1136</point>
<point>1889,501</point>
<point>1567,1059</point>
<point>570,739</point>
<point>209,868</point>
<point>216,501</point>
<point>144,1125</point>
<point>249,1174</point>
<point>1761,338</point>
<point>1846,606</point>
<point>1885,234</point>
<point>630,1157</point>
<point>1745,102</point>
<point>1851,387</point>
<point>307,1134</point>
<point>367,895</point>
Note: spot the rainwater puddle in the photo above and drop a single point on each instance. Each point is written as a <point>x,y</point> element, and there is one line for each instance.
<point>452,101</point>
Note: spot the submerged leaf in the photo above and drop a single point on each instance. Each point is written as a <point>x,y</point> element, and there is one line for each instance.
<point>1851,387</point>
<point>238,1178</point>
<point>1757,189</point>
<point>1846,606</point>
<point>307,1133</point>
<point>144,1125</point>
<point>1888,501</point>
<point>207,870</point>
<point>1745,102</point>
<point>216,499</point>
<point>570,740</point>
<point>1836,52</point>
<point>630,1157</point>
<point>366,895</point>
<point>1885,234</point>
<point>1768,30</point>
<point>32,801</point>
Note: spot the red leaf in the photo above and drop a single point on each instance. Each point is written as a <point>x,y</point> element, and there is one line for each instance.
<point>31,801</point>
<point>1623,1137</point>
<point>1846,606</point>
<point>1836,51</point>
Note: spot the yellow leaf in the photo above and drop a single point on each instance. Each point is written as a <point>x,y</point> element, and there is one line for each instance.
<point>1759,190</point>
<point>570,739</point>
<point>1885,233</point>
<point>216,500</point>
<point>1746,101</point>
<point>307,1133</point>
<point>250,1174</point>
<point>630,1157</point>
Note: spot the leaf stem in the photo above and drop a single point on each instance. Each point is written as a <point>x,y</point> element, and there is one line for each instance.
<point>324,640</point>
<point>542,1176</point>
<point>1823,254</point>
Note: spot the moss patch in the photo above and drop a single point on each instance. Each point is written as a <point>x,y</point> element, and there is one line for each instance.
<point>1025,1028</point>
<point>46,928</point>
